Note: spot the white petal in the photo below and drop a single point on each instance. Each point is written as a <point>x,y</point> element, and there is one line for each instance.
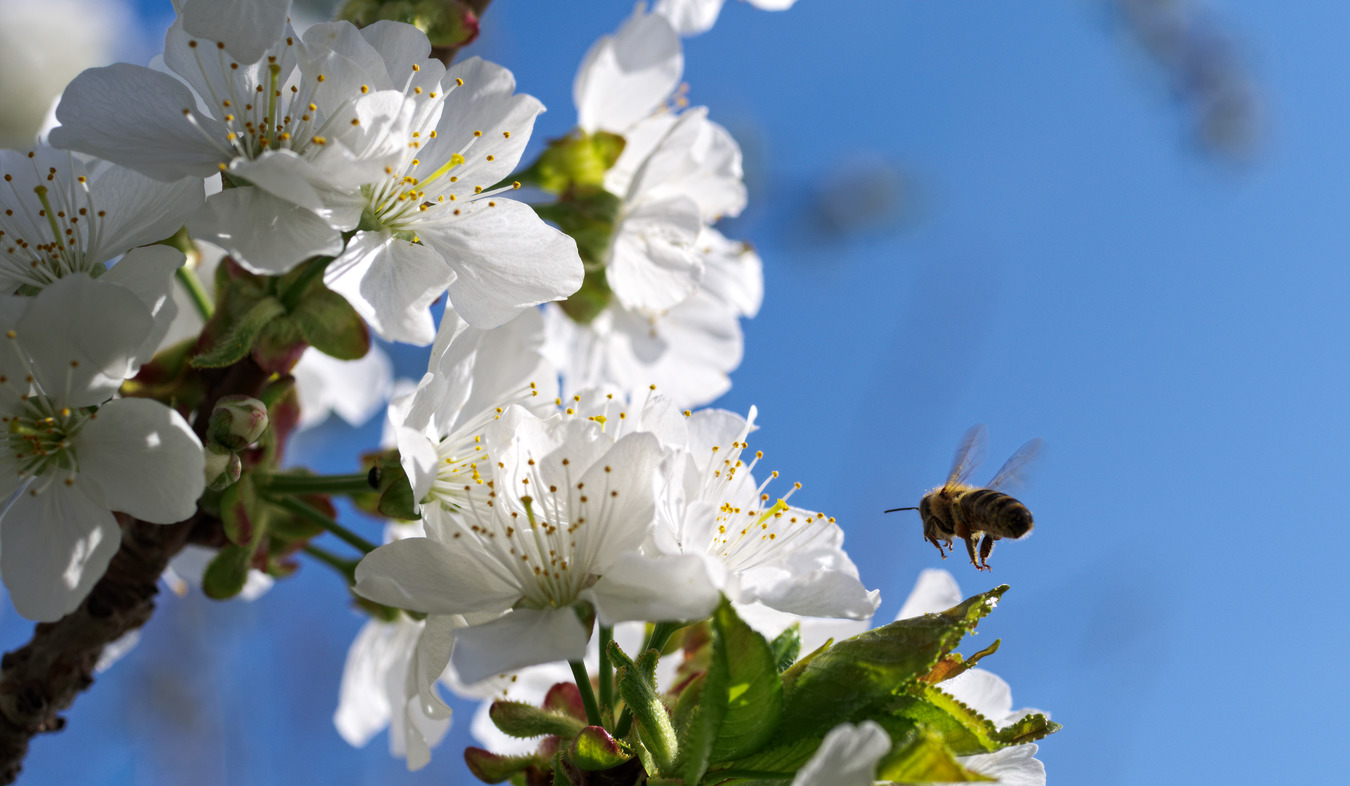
<point>652,264</point>
<point>149,273</point>
<point>53,548</point>
<point>417,455</point>
<point>934,591</point>
<point>246,27</point>
<point>83,336</point>
<point>264,234</point>
<point>486,102</point>
<point>848,756</point>
<point>690,17</point>
<point>505,260</point>
<point>391,283</point>
<point>667,588</point>
<point>363,704</point>
<point>627,76</point>
<point>420,574</point>
<point>524,637</point>
<point>354,389</point>
<point>140,210</point>
<point>1015,766</point>
<point>144,458</point>
<point>133,116</point>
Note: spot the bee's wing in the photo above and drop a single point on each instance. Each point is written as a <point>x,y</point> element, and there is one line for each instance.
<point>1014,472</point>
<point>969,454</point>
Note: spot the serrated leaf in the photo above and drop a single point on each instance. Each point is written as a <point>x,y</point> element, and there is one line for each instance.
<point>329,324</point>
<point>852,678</point>
<point>787,646</point>
<point>594,750</point>
<point>1027,729</point>
<point>784,758</point>
<point>491,767</point>
<point>961,728</point>
<point>239,337</point>
<point>238,509</point>
<point>922,758</point>
<point>226,575</point>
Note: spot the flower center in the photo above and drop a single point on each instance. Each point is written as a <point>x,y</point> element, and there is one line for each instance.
<point>39,437</point>
<point>49,223</point>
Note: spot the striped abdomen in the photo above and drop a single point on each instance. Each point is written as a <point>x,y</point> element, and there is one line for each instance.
<point>994,512</point>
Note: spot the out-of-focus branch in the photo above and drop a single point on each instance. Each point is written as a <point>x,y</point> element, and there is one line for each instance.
<point>42,678</point>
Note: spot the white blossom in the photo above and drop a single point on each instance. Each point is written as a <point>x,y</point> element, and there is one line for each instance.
<point>692,17</point>
<point>72,455</point>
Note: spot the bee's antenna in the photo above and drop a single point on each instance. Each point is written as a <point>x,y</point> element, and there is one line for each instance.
<point>892,510</point>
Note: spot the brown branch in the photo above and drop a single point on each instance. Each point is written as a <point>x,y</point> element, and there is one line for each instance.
<point>43,677</point>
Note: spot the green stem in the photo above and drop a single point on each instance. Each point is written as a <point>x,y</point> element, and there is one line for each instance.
<point>188,278</point>
<point>346,567</point>
<point>606,673</point>
<point>313,516</point>
<point>587,695</point>
<point>313,269</point>
<point>299,485</point>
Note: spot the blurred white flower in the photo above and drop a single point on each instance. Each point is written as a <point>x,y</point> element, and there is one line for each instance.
<point>43,45</point>
<point>692,17</point>
<point>354,390</point>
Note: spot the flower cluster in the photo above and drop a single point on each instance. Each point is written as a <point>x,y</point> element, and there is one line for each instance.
<point>193,266</point>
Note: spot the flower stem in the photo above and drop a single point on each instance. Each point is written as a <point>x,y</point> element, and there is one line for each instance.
<point>299,485</point>
<point>313,516</point>
<point>188,278</point>
<point>606,673</point>
<point>587,694</point>
<point>346,567</point>
<point>313,269</point>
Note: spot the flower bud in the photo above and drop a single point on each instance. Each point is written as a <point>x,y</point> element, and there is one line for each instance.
<point>222,468</point>
<point>237,422</point>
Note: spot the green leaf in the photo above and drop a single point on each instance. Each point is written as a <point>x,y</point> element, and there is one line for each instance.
<point>754,693</point>
<point>961,728</point>
<point>787,646</point>
<point>922,758</point>
<point>279,346</point>
<point>491,767</point>
<point>786,758</point>
<point>238,511</point>
<point>329,324</point>
<point>240,335</point>
<point>1027,729</point>
<point>226,574</point>
<point>857,677</point>
<point>594,749</point>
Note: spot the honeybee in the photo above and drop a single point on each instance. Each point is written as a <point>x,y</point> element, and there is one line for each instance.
<point>957,509</point>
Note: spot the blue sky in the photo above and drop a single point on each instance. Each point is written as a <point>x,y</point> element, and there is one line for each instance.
<point>1068,264</point>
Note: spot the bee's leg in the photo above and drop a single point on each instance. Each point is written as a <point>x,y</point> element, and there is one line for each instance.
<point>987,548</point>
<point>963,532</point>
<point>938,545</point>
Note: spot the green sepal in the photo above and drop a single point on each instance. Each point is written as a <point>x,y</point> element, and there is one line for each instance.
<point>238,508</point>
<point>856,677</point>
<point>923,758</point>
<point>572,161</point>
<point>396,494</point>
<point>227,573</point>
<point>594,749</point>
<point>787,646</point>
<point>491,767</point>
<point>560,776</point>
<point>588,215</point>
<point>240,335</point>
<point>328,323</point>
<point>519,719</point>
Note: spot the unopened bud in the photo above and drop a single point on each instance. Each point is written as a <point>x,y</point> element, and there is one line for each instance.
<point>237,422</point>
<point>222,468</point>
